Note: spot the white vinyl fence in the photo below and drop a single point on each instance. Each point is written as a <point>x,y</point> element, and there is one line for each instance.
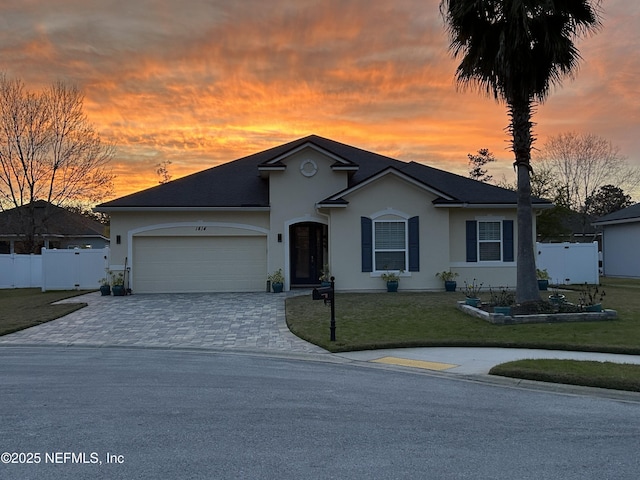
<point>78,269</point>
<point>20,271</point>
<point>569,263</point>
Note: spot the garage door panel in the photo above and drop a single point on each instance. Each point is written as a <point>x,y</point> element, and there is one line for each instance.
<point>199,264</point>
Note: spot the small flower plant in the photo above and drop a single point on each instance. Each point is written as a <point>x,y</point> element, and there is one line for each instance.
<point>117,278</point>
<point>590,295</point>
<point>276,277</point>
<point>106,280</point>
<point>325,274</point>
<point>472,290</point>
<point>542,274</point>
<point>391,276</point>
<point>447,275</point>
<point>502,297</point>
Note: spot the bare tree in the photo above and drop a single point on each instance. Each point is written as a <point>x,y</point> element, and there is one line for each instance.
<point>542,183</point>
<point>550,223</point>
<point>48,149</point>
<point>77,161</point>
<point>580,173</point>
<point>581,164</point>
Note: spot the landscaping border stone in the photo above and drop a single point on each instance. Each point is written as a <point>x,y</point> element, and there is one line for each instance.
<point>500,319</point>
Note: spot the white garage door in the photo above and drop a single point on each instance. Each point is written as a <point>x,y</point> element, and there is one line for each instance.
<point>199,264</point>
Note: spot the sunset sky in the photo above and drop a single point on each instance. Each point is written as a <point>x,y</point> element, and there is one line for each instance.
<point>202,82</point>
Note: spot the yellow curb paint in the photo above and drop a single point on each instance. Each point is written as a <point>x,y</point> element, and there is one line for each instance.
<point>405,362</point>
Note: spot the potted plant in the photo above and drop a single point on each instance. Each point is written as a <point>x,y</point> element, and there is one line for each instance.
<point>105,287</point>
<point>556,297</point>
<point>392,279</point>
<point>472,292</point>
<point>325,277</point>
<point>117,284</point>
<point>277,281</point>
<point>448,277</point>
<point>502,300</point>
<point>543,279</point>
<point>590,300</point>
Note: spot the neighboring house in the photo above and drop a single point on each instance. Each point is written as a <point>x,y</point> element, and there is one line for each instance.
<point>563,225</point>
<point>620,239</point>
<point>49,227</point>
<point>308,203</point>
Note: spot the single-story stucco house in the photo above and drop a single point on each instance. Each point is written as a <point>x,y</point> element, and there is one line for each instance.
<point>310,203</point>
<point>620,240</point>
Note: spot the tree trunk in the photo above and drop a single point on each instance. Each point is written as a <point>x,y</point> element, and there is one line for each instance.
<point>521,126</point>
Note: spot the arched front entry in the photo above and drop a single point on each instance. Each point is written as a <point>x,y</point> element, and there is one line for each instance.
<point>308,252</point>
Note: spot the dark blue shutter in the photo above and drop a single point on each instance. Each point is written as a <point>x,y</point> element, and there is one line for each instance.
<point>366,232</point>
<point>414,245</point>
<point>507,240</point>
<point>472,241</point>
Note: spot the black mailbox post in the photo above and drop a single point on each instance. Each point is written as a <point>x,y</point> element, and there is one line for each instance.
<point>327,294</point>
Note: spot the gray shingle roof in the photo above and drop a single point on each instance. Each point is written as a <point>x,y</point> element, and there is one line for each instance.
<point>631,213</point>
<point>49,220</point>
<point>461,189</point>
<point>239,184</point>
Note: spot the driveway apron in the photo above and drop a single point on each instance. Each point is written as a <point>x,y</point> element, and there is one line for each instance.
<point>249,321</point>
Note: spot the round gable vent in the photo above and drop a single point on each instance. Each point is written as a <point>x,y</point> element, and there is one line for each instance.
<point>308,168</point>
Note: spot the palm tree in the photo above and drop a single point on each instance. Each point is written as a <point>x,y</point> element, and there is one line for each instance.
<point>516,50</point>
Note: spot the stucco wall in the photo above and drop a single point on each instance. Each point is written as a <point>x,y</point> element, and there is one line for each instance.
<point>388,197</point>
<point>489,273</point>
<point>293,197</point>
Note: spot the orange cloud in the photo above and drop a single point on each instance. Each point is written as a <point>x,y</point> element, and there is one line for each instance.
<point>201,82</point>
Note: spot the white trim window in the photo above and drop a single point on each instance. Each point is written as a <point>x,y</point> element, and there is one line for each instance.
<point>390,247</point>
<point>490,241</point>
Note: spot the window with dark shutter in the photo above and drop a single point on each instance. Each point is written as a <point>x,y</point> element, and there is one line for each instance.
<point>366,242</point>
<point>490,241</point>
<point>472,241</point>
<point>507,244</point>
<point>414,244</point>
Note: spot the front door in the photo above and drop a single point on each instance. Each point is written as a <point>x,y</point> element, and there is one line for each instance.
<point>308,252</point>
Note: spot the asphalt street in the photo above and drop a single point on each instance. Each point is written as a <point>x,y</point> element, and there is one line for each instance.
<point>158,413</point>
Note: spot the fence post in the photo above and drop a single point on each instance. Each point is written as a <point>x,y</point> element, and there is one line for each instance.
<point>43,270</point>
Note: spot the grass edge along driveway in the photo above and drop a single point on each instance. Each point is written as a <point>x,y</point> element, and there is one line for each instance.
<point>22,308</point>
<point>366,321</point>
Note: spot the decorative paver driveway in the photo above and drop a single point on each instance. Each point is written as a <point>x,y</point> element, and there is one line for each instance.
<point>251,321</point>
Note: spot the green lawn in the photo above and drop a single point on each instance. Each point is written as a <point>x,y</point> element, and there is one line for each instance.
<point>25,307</point>
<point>392,320</point>
<point>388,320</point>
<point>573,372</point>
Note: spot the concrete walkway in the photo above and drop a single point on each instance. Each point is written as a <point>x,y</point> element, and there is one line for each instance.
<point>474,361</point>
